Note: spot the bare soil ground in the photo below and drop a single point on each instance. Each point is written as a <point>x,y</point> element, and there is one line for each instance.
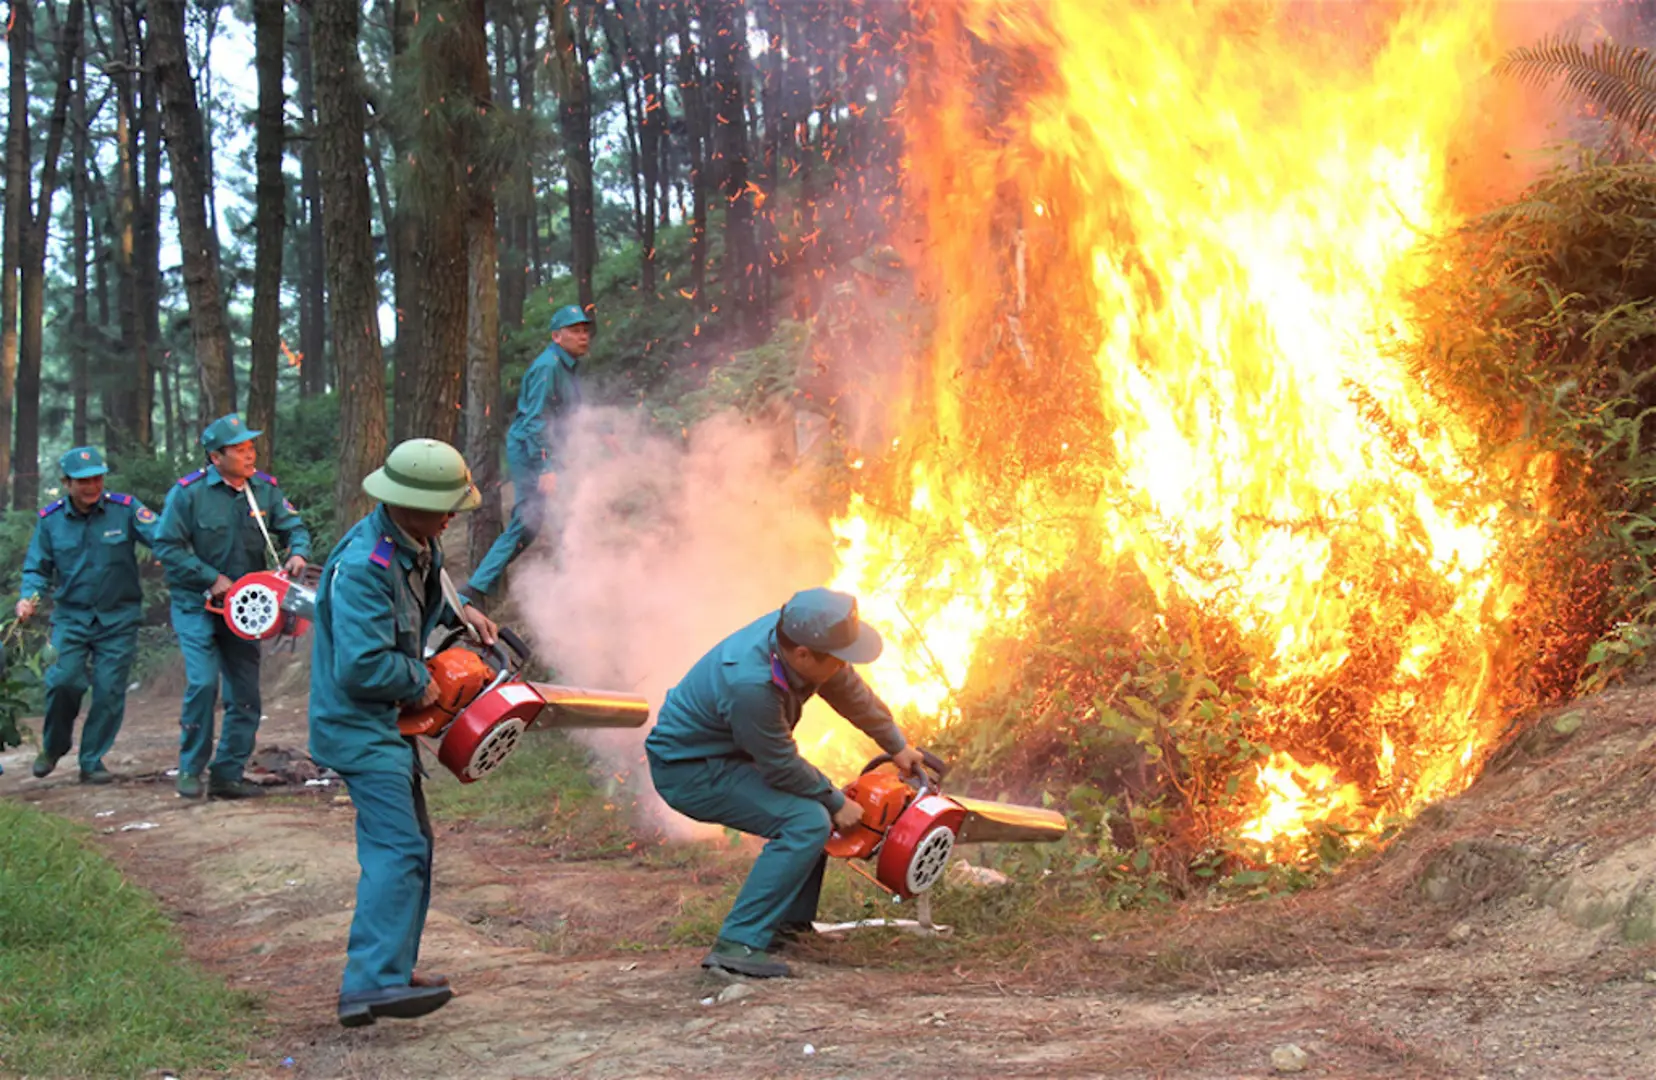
<point>1506,935</point>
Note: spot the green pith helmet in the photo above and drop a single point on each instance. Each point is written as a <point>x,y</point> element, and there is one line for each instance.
<point>227,430</point>
<point>83,462</point>
<point>424,474</point>
<point>570,315</point>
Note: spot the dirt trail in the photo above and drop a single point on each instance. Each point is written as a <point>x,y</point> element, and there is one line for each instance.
<point>563,969</point>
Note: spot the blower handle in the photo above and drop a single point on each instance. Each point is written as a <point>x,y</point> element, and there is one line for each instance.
<point>516,644</point>
<point>493,653</point>
<point>930,763</point>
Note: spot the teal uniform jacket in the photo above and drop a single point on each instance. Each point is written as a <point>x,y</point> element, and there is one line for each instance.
<point>208,529</point>
<point>742,702</point>
<point>370,633</point>
<point>550,392</point>
<point>92,559</point>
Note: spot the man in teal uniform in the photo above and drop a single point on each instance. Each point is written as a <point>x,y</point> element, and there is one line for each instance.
<point>723,751</point>
<point>220,523</point>
<point>85,543</point>
<point>380,598</point>
<point>534,443</point>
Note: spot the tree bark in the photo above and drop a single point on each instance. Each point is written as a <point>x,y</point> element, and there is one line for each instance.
<point>510,239</point>
<point>197,236</point>
<point>313,366</point>
<point>696,131</point>
<point>445,136</point>
<point>148,208</point>
<point>574,87</point>
<point>17,213</point>
<point>26,456</point>
<point>270,220</point>
<point>79,330</point>
<point>405,269</point>
<point>483,433</point>
<point>347,224</point>
<point>725,29</point>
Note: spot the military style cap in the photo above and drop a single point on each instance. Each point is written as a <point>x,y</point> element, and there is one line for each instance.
<point>83,462</point>
<point>227,431</point>
<point>424,474</point>
<point>569,315</point>
<point>826,621</point>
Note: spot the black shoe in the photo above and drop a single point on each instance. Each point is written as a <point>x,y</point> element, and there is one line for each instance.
<point>189,786</point>
<point>742,960</point>
<point>233,789</point>
<point>401,1002</point>
<point>97,774</point>
<point>43,765</point>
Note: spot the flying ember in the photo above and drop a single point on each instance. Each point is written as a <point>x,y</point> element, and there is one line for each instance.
<point>1168,249</point>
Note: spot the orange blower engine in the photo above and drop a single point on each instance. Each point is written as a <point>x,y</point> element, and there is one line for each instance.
<point>269,604</point>
<point>909,828</point>
<point>484,705</point>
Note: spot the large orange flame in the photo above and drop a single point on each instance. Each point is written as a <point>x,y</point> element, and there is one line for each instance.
<point>1169,245</point>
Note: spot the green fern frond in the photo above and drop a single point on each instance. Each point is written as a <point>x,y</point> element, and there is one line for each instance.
<point>1619,79</point>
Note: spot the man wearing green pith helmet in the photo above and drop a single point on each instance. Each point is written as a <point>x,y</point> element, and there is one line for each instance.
<point>381,595</point>
<point>550,394</point>
<point>83,553</point>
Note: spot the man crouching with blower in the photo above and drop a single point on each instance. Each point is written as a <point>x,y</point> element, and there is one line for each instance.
<point>381,595</point>
<point>723,751</point>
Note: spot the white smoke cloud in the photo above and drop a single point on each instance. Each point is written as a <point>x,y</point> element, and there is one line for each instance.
<point>663,547</point>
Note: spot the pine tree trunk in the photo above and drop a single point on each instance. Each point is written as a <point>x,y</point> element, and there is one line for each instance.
<point>17,213</point>
<point>483,434</point>
<point>148,208</point>
<point>725,30</point>
<point>528,60</point>
<point>119,392</point>
<point>438,71</point>
<point>696,124</point>
<point>405,270</point>
<point>79,329</point>
<point>198,239</point>
<point>270,220</point>
<point>514,271</point>
<point>347,224</point>
<point>574,87</point>
<point>26,456</point>
<point>313,366</point>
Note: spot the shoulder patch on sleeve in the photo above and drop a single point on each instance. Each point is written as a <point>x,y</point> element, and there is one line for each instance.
<point>186,481</point>
<point>145,514</point>
<point>118,497</point>
<point>51,508</point>
<point>266,477</point>
<point>381,555</point>
<point>287,504</point>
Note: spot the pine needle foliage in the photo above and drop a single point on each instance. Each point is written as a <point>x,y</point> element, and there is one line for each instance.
<point>1619,80</point>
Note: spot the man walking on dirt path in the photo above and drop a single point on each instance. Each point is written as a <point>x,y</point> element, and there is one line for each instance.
<point>220,523</point>
<point>551,391</point>
<point>86,543</point>
<point>380,597</point>
<point>723,751</point>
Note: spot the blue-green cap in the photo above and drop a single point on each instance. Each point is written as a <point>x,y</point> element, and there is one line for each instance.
<point>569,315</point>
<point>826,621</point>
<point>82,462</point>
<point>227,431</point>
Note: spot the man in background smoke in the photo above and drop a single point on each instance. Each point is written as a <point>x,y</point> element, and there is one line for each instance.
<point>723,751</point>
<point>551,391</point>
